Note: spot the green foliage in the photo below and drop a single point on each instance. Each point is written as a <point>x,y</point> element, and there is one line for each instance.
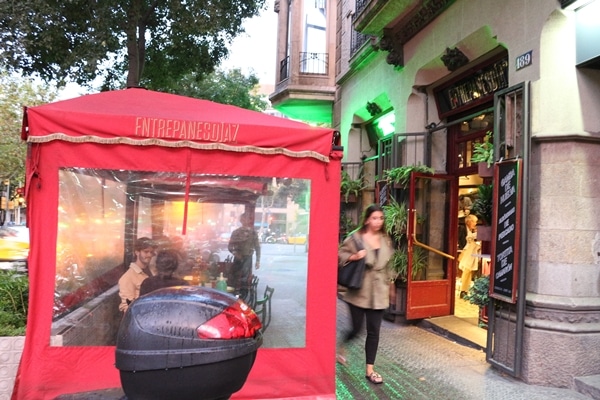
<point>16,92</point>
<point>14,297</point>
<point>483,204</point>
<point>349,186</point>
<point>401,175</point>
<point>225,87</point>
<point>478,294</point>
<point>484,151</point>
<point>396,219</point>
<point>153,44</point>
<point>347,224</point>
<point>400,262</point>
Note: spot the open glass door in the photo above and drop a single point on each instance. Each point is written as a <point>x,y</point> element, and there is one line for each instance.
<point>431,250</point>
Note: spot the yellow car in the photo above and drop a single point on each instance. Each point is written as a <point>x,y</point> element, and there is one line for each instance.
<point>14,243</point>
<point>300,239</point>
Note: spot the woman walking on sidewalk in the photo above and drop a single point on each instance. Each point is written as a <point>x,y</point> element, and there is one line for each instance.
<point>369,302</point>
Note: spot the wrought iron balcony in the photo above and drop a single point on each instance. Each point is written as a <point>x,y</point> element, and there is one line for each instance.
<point>357,41</point>
<point>284,69</point>
<point>314,63</point>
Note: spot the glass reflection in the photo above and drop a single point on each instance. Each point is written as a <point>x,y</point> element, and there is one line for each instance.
<point>103,212</point>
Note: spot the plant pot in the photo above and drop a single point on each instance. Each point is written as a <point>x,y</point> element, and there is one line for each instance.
<point>484,171</point>
<point>397,299</point>
<point>483,317</point>
<point>484,233</point>
<point>351,198</point>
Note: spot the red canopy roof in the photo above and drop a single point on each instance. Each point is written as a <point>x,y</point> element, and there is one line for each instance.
<point>142,117</point>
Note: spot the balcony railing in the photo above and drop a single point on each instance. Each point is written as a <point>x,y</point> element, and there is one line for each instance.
<point>361,5</point>
<point>356,41</point>
<point>284,69</point>
<point>314,63</point>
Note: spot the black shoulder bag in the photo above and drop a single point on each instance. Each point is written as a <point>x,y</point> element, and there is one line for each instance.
<point>351,274</point>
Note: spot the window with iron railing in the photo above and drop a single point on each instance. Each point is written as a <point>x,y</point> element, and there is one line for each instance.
<point>356,41</point>
<point>314,63</point>
<point>361,5</point>
<point>284,69</point>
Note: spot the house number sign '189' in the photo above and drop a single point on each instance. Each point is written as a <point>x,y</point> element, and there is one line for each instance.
<point>524,60</point>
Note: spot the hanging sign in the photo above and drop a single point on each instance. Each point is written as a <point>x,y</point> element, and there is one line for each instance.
<point>506,234</point>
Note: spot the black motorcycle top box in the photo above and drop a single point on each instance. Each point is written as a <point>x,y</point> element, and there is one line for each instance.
<point>187,342</point>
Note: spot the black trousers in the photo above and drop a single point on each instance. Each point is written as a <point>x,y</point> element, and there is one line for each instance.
<point>241,275</point>
<point>373,318</point>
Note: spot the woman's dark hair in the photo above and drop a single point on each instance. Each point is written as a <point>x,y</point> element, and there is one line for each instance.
<point>167,262</point>
<point>368,211</point>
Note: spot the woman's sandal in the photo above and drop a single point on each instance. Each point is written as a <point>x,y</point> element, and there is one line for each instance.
<point>374,378</point>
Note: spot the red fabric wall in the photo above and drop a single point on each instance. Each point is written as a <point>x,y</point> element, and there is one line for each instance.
<point>309,372</point>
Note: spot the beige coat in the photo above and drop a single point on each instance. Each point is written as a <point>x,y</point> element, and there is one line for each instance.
<point>374,293</point>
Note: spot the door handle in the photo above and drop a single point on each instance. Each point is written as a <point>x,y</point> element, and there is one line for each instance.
<point>423,245</point>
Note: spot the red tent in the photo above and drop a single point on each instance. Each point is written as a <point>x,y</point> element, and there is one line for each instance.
<point>126,139</point>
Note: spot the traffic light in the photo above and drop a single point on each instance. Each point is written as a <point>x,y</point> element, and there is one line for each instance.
<point>3,204</point>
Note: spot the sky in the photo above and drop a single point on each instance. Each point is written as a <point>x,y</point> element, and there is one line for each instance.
<point>252,51</point>
<point>255,49</point>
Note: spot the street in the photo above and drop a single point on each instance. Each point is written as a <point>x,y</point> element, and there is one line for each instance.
<point>284,268</point>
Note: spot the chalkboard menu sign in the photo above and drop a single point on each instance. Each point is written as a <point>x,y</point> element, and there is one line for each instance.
<point>506,230</point>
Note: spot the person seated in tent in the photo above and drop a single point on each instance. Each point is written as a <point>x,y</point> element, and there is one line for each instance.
<point>139,270</point>
<point>167,262</point>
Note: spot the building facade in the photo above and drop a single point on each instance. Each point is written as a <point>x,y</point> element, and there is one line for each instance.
<point>423,82</point>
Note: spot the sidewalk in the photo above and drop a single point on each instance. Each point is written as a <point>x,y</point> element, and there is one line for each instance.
<point>418,364</point>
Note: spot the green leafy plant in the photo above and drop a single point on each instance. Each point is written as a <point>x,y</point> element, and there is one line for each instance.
<point>401,175</point>
<point>14,296</point>
<point>400,263</point>
<point>396,219</point>
<point>478,294</point>
<point>483,204</point>
<point>349,186</point>
<point>347,224</point>
<point>484,151</point>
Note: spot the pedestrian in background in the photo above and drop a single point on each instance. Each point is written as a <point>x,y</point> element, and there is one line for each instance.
<point>468,260</point>
<point>243,244</point>
<point>369,302</point>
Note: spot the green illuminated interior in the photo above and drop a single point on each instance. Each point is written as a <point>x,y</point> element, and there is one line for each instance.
<point>386,124</point>
<point>318,112</point>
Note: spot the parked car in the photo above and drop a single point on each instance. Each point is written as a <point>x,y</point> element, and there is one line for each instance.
<point>14,243</point>
<point>297,239</point>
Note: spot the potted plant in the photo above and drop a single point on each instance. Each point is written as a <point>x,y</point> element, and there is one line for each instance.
<point>483,208</point>
<point>400,264</point>
<point>400,176</point>
<point>347,225</point>
<point>478,294</point>
<point>351,188</point>
<point>396,220</point>
<point>483,154</point>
